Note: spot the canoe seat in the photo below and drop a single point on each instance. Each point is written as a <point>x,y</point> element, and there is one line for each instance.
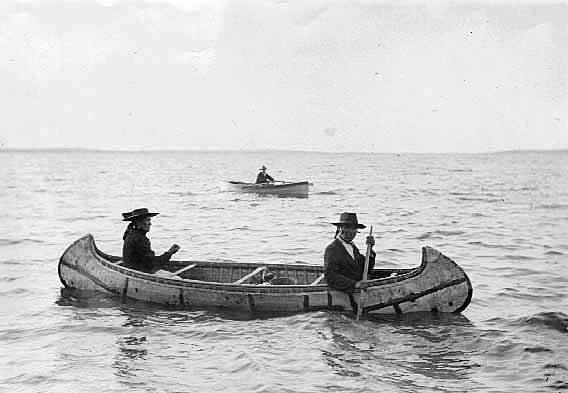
<point>253,273</point>
<point>177,272</point>
<point>319,279</point>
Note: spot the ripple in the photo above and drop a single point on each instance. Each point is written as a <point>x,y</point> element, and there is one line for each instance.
<point>552,320</point>
<point>438,234</point>
<point>517,257</point>
<point>326,193</point>
<point>489,245</point>
<point>537,350</point>
<point>552,206</point>
<point>11,242</point>
<point>488,200</point>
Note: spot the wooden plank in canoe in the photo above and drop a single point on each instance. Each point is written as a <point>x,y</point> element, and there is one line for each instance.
<point>319,279</point>
<point>255,272</point>
<point>183,270</point>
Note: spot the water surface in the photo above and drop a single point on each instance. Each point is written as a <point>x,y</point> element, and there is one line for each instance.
<point>502,217</point>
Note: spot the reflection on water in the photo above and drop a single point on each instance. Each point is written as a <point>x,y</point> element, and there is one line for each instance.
<point>70,297</point>
<point>132,349</point>
<point>389,350</point>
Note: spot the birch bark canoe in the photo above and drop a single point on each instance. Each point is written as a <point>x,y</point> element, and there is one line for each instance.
<point>297,189</point>
<point>438,284</point>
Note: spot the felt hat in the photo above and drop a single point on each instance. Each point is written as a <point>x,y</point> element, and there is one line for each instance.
<point>348,219</point>
<point>137,213</point>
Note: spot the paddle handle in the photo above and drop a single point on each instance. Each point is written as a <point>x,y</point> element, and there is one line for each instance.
<point>365,269</point>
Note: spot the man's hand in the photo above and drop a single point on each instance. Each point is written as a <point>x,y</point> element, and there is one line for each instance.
<point>363,285</point>
<point>370,240</point>
<point>173,249</point>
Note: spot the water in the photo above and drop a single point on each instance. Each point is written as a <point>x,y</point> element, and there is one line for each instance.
<point>502,217</point>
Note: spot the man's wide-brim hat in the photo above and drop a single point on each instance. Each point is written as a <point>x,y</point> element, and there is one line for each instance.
<point>262,168</point>
<point>137,213</point>
<point>348,219</point>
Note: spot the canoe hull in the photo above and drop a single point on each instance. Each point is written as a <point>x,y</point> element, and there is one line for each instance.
<point>298,189</point>
<point>438,285</point>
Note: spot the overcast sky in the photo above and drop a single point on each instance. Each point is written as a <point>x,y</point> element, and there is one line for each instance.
<point>384,76</point>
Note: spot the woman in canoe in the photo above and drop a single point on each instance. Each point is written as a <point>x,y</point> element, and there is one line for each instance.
<point>344,263</point>
<point>262,176</point>
<point>137,251</point>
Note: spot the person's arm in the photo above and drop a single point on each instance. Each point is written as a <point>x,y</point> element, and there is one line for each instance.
<point>150,260</point>
<point>269,177</point>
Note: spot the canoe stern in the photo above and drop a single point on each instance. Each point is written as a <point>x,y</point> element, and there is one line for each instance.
<point>438,285</point>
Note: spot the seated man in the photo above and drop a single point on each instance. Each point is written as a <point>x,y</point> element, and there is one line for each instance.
<point>263,177</point>
<point>136,251</point>
<point>344,263</point>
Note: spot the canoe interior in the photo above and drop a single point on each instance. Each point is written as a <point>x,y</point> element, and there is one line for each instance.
<point>249,273</point>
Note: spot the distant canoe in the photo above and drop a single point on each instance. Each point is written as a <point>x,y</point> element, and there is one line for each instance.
<point>437,285</point>
<point>297,189</point>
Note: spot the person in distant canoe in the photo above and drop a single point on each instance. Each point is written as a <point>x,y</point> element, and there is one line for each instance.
<point>344,263</point>
<point>262,176</point>
<point>136,251</point>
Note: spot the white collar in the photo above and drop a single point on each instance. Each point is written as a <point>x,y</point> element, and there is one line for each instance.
<point>348,247</point>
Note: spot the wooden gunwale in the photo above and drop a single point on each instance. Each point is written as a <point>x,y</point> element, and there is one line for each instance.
<point>104,258</point>
<point>188,283</point>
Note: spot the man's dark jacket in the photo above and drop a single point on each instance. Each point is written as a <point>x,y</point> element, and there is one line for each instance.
<point>342,271</point>
<point>137,252</point>
<point>263,177</point>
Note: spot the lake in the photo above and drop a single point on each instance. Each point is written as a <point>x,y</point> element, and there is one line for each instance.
<point>503,217</point>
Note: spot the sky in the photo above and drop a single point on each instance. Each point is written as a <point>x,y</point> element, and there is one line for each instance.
<point>337,76</point>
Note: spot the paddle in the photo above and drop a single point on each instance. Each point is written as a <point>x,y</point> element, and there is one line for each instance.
<point>362,297</point>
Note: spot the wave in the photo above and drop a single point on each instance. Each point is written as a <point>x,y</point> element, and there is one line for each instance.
<point>553,253</point>
<point>460,170</point>
<point>11,242</point>
<point>517,257</point>
<point>487,245</point>
<point>15,291</point>
<point>438,234</point>
<point>488,200</point>
<point>552,320</point>
<point>325,193</point>
<point>538,349</point>
<point>552,206</point>
<point>395,250</point>
<point>514,271</point>
<point>85,218</point>
<point>241,228</point>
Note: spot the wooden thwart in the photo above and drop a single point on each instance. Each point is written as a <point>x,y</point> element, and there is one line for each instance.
<point>319,279</point>
<point>256,271</point>
<point>183,270</point>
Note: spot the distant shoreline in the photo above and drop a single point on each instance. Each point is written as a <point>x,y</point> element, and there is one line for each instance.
<point>88,150</point>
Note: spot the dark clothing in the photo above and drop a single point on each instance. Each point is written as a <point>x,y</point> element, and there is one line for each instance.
<point>341,271</point>
<point>137,252</point>
<point>263,177</point>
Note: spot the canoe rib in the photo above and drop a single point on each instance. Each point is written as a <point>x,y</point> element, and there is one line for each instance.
<point>437,285</point>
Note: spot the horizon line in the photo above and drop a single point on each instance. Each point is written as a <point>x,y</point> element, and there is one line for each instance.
<point>103,150</point>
